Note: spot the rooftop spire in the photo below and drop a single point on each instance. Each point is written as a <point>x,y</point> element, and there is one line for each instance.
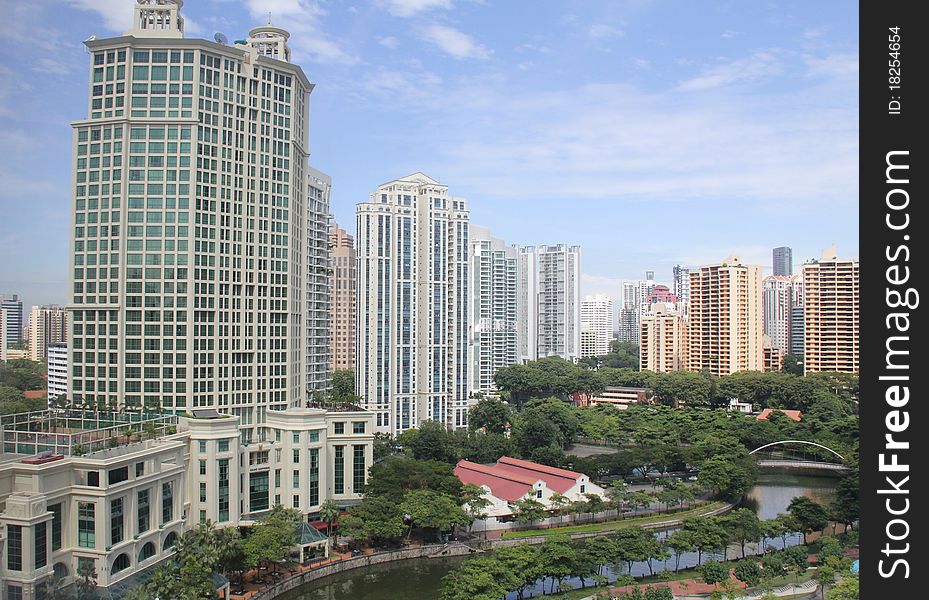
<point>157,18</point>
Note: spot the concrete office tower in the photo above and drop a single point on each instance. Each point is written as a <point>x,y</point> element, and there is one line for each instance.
<point>47,325</point>
<point>725,318</point>
<point>664,345</point>
<point>797,337</point>
<point>342,289</point>
<point>318,300</point>
<point>831,322</point>
<point>783,258</point>
<point>629,313</point>
<point>412,329</point>
<point>2,334</point>
<point>493,309</point>
<point>597,317</point>
<point>13,306</point>
<point>780,293</point>
<point>188,265</point>
<point>681,287</point>
<point>549,287</point>
<point>644,290</point>
<point>57,370</point>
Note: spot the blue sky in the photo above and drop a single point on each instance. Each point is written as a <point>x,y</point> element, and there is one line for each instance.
<point>649,132</point>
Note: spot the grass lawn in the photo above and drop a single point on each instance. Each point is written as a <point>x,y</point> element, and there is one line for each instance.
<point>618,524</point>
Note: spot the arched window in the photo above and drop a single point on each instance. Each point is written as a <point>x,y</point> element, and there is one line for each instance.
<point>121,563</point>
<point>60,570</point>
<point>148,551</point>
<point>169,541</point>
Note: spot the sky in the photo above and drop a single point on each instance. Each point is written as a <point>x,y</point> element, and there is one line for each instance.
<point>651,133</point>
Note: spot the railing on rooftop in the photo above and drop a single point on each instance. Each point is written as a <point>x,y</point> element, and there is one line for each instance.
<point>73,432</point>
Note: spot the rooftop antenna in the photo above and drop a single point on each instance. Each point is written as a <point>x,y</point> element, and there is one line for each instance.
<point>269,17</point>
<point>221,38</point>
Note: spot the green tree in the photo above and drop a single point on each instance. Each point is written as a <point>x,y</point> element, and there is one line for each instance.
<point>396,475</point>
<point>809,514</point>
<point>796,559</point>
<point>86,580</point>
<point>329,512</point>
<point>481,578</point>
<point>828,570</point>
<point>743,527</point>
<point>792,365</point>
<point>474,503</point>
<point>747,572</point>
<point>490,414</point>
<point>432,443</point>
<point>707,534</point>
<point>523,562</point>
<point>529,510</point>
<point>659,593</point>
<point>343,386</point>
<point>714,572</point>
<point>432,510</point>
<point>846,589</point>
<point>633,545</point>
<point>600,551</point>
<point>377,517</point>
<point>680,542</point>
<point>556,558</point>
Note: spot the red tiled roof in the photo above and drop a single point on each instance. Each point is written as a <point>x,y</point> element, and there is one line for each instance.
<point>560,480</point>
<point>793,414</point>
<point>503,484</point>
<point>30,394</point>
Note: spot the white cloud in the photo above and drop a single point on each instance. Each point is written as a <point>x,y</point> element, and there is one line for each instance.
<point>730,33</point>
<point>409,8</point>
<point>834,66</point>
<point>455,43</point>
<point>601,31</point>
<point>388,42</point>
<point>760,65</point>
<point>52,66</point>
<point>116,14</point>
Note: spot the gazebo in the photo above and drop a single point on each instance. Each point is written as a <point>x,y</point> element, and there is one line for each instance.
<point>309,539</point>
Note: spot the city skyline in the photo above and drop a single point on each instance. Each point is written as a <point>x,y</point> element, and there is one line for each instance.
<point>744,74</point>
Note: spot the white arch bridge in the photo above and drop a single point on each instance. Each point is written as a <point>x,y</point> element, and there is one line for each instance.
<point>800,463</point>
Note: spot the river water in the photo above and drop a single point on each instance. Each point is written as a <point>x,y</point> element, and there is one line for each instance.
<point>421,579</point>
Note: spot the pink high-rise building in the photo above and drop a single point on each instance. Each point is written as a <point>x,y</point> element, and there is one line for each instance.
<point>342,286</point>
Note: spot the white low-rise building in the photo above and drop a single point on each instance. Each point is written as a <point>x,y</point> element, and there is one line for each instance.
<point>512,480</point>
<point>79,487</point>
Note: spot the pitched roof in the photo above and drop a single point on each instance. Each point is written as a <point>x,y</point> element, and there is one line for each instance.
<point>560,480</point>
<point>796,415</point>
<point>503,484</point>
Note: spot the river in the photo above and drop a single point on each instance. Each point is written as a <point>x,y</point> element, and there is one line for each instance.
<point>420,579</point>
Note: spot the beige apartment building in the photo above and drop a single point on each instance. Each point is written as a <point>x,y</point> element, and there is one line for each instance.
<point>725,309</point>
<point>830,315</point>
<point>342,289</point>
<point>47,325</point>
<point>664,340</point>
<point>75,488</point>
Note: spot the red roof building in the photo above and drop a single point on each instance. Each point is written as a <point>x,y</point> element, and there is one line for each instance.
<point>794,415</point>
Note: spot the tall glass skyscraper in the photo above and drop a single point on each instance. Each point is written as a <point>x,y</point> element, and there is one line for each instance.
<point>783,258</point>
<point>412,330</point>
<point>189,222</point>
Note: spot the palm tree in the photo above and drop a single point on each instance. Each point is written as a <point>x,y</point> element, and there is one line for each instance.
<point>329,512</point>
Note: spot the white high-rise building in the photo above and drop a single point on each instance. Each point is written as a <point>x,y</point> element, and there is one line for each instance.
<point>47,325</point>
<point>189,223</point>
<point>681,287</point>
<point>644,290</point>
<point>549,287</point>
<point>2,334</point>
<point>13,328</point>
<point>57,370</point>
<point>318,293</point>
<point>597,317</point>
<point>493,307</point>
<point>629,313</point>
<point>780,293</point>
<point>412,330</point>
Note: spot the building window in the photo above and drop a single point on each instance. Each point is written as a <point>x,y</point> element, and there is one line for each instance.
<point>223,446</point>
<point>56,526</point>
<point>339,428</point>
<point>116,521</point>
<point>202,492</point>
<point>91,565</point>
<point>144,513</point>
<point>148,551</point>
<point>538,494</point>
<point>203,516</point>
<point>296,437</point>
<point>358,470</point>
<point>85,525</point>
<point>14,547</point>
<point>139,469</point>
<point>314,436</point>
<point>339,468</point>
<point>583,488</point>
<point>167,502</point>
<point>202,447</point>
<point>296,456</point>
<point>121,563</point>
<point>277,478</point>
<point>203,467</point>
<point>296,479</point>
<point>14,592</point>
<point>41,545</point>
<point>223,515</point>
<point>258,492</point>
<point>358,426</point>
<point>314,476</point>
